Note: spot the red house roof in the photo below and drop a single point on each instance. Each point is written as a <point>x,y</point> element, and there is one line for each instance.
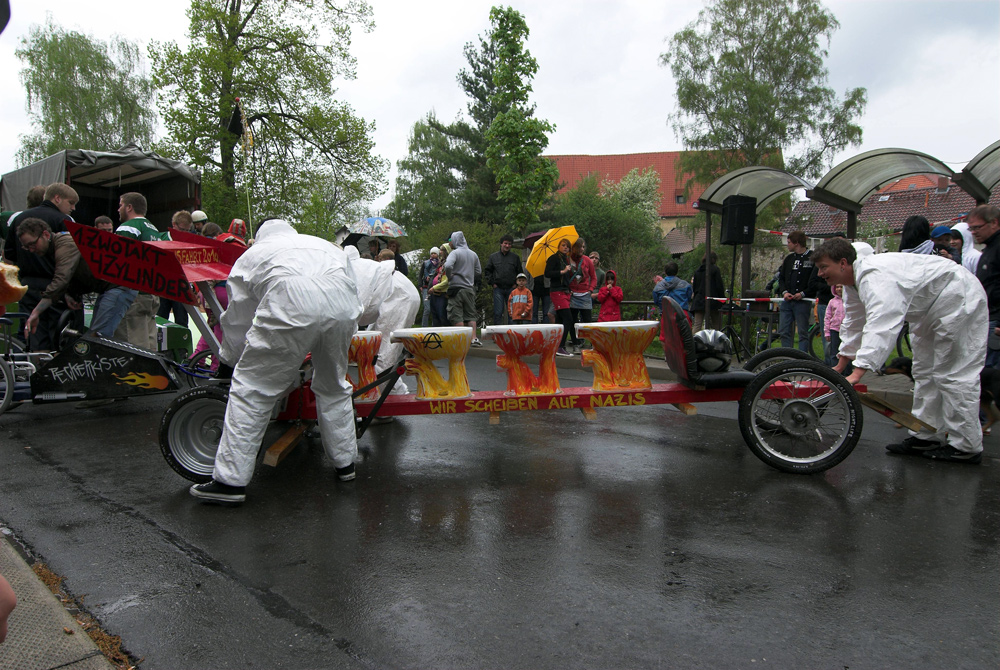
<point>574,168</point>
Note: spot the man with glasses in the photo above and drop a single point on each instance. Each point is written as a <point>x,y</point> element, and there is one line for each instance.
<point>71,277</point>
<point>59,202</point>
<point>984,224</point>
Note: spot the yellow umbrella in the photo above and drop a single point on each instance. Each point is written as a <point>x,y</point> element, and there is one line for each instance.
<point>547,245</point>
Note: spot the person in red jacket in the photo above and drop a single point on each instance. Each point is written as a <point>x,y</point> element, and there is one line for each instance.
<point>610,296</point>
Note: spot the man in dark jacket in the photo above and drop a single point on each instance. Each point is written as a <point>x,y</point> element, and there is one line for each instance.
<point>984,224</point>
<point>793,285</point>
<point>35,272</point>
<point>501,273</point>
<point>715,289</point>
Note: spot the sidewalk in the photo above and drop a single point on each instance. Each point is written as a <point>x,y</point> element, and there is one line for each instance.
<point>37,637</point>
<point>896,389</point>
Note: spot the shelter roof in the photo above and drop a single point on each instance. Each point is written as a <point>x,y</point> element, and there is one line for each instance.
<point>852,181</point>
<point>574,168</point>
<point>893,207</point>
<point>982,174</point>
<point>763,183</point>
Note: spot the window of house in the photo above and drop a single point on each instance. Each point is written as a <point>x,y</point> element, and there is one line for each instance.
<point>680,199</point>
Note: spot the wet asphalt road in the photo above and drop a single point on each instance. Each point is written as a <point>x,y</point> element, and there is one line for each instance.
<point>643,539</point>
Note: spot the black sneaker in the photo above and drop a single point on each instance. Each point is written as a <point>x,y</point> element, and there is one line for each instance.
<point>953,455</point>
<point>562,352</point>
<point>218,492</point>
<point>912,446</point>
<point>346,473</point>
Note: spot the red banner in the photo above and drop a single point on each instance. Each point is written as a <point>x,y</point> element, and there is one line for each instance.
<point>132,264</point>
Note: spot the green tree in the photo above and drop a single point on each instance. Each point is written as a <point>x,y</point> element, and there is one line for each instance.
<point>445,174</point>
<point>429,184</point>
<point>752,89</point>
<point>280,58</point>
<point>515,138</point>
<point>637,192</point>
<point>609,216</point>
<point>83,93</point>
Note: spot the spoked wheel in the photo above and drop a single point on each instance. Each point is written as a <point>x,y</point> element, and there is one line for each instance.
<point>191,429</point>
<point>6,384</point>
<point>769,357</point>
<point>800,417</point>
<point>200,367</point>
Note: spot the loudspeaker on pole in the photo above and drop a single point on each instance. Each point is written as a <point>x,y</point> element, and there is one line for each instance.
<point>739,216</point>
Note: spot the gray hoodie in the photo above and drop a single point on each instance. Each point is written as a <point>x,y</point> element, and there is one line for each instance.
<point>462,267</point>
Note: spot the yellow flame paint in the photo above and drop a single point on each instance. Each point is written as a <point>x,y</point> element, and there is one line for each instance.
<point>434,346</point>
<point>617,356</point>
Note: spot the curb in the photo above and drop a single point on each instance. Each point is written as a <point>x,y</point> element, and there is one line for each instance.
<point>37,634</point>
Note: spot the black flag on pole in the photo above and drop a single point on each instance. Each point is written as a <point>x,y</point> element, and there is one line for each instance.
<point>235,121</point>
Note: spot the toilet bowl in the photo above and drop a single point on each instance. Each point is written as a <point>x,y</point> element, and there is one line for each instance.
<point>516,341</point>
<point>427,345</point>
<point>617,357</point>
<point>364,348</point>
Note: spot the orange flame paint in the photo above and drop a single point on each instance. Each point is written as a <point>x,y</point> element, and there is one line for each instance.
<point>363,350</point>
<point>520,379</point>
<point>144,380</point>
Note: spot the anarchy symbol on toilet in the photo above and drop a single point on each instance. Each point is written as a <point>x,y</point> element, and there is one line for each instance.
<point>432,341</point>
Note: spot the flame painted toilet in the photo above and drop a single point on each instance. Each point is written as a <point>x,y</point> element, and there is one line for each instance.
<point>617,354</point>
<point>516,341</point>
<point>427,345</point>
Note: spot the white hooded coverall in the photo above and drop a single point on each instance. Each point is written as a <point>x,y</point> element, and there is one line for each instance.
<point>945,306</point>
<point>970,255</point>
<point>389,300</point>
<point>289,295</point>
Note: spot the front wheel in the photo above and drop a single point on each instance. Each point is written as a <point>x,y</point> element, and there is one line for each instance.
<point>190,431</point>
<point>800,417</point>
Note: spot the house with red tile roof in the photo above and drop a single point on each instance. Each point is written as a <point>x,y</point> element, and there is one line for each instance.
<point>934,199</point>
<point>675,204</point>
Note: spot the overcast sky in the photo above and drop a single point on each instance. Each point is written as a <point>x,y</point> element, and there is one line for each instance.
<point>931,68</point>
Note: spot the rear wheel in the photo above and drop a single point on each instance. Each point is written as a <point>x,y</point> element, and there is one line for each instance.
<point>190,431</point>
<point>199,367</point>
<point>800,417</point>
<point>769,357</point>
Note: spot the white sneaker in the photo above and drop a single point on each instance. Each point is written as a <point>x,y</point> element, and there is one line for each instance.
<point>476,342</point>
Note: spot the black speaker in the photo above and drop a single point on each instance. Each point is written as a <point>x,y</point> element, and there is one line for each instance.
<point>739,216</point>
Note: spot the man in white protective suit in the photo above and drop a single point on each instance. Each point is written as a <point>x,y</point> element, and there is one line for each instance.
<point>945,306</point>
<point>389,300</point>
<point>289,295</point>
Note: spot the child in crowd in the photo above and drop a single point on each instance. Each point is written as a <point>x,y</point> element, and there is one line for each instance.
<point>610,296</point>
<point>834,317</point>
<point>520,304</point>
<point>386,255</point>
